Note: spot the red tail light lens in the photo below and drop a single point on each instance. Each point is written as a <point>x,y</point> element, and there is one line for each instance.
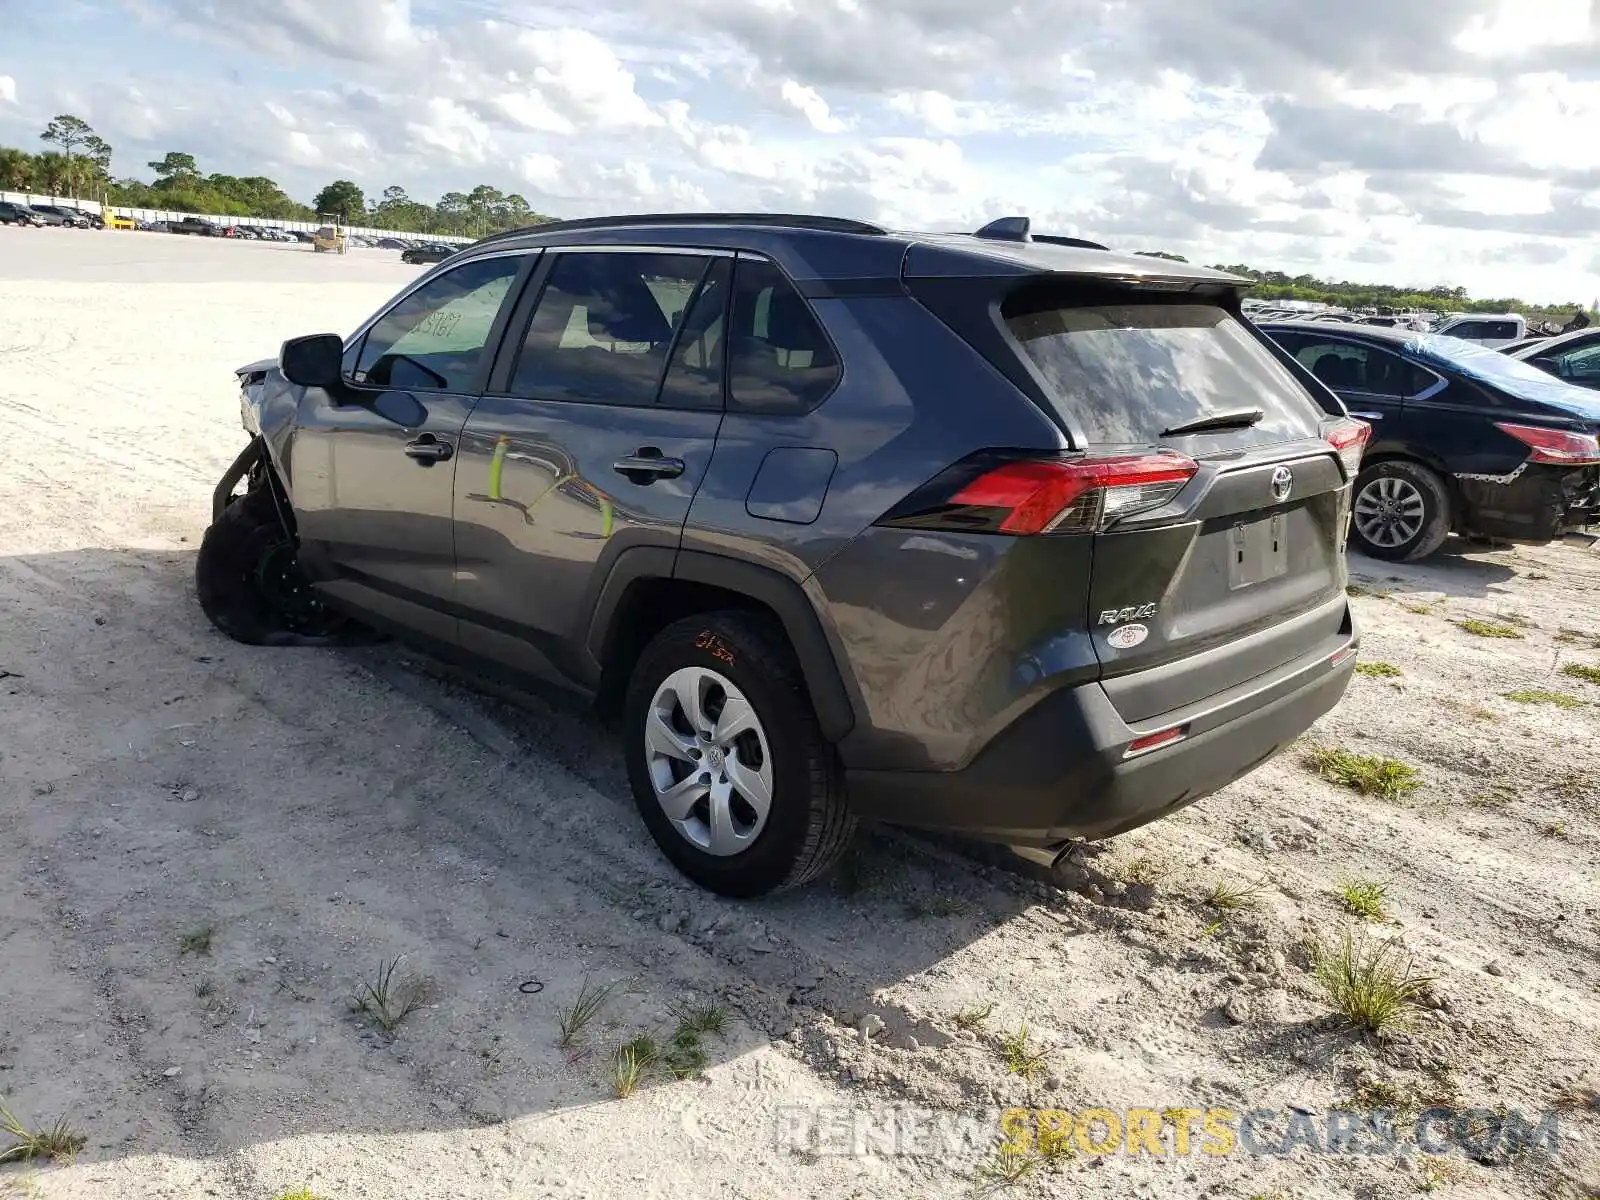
<point>1349,438</point>
<point>1560,446</point>
<point>1056,495</point>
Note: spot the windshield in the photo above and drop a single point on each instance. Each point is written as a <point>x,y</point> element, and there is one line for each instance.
<point>1125,373</point>
<point>1521,379</point>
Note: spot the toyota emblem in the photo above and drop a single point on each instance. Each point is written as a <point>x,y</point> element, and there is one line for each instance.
<point>1282,483</point>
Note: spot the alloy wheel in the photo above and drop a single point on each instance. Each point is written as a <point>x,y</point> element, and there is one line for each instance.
<point>1389,512</point>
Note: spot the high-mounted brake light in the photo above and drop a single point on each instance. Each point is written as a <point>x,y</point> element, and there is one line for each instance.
<point>1560,446</point>
<point>1051,495</point>
<point>1349,438</point>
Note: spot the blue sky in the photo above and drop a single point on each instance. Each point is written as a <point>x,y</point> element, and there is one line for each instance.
<point>1406,141</point>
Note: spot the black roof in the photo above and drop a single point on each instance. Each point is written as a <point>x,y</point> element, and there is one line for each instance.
<point>823,247</point>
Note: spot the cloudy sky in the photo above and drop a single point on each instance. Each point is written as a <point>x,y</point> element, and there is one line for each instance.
<point>1404,141</point>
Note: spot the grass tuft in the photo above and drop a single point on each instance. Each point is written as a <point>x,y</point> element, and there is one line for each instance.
<point>1478,627</point>
<point>1364,898</point>
<point>1145,869</point>
<point>390,997</point>
<point>631,1063</point>
<point>1235,897</point>
<point>1386,778</point>
<point>974,1017</point>
<point>1005,1167</point>
<point>580,1014</point>
<point>685,1057</point>
<point>197,941</point>
<point>705,1018</point>
<point>1378,670</point>
<point>299,1193</point>
<point>1581,671</point>
<point>1371,985</point>
<point>1022,1057</point>
<point>58,1142</point>
<point>1559,699</point>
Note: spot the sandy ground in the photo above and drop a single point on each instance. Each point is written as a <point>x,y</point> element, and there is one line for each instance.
<point>320,812</point>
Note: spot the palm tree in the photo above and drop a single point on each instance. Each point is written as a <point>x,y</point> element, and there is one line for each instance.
<point>16,169</point>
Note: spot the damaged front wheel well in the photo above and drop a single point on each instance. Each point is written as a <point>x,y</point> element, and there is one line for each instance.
<point>254,465</point>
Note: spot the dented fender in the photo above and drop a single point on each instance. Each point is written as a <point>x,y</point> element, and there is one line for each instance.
<point>268,404</point>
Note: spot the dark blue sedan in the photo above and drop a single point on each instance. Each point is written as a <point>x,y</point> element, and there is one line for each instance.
<point>1464,439</point>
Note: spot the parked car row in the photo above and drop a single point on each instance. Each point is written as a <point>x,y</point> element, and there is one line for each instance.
<point>1465,439</point>
<point>412,250</point>
<point>62,215</point>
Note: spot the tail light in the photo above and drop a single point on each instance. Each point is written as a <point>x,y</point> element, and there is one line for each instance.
<point>1349,438</point>
<point>991,493</point>
<point>1559,446</point>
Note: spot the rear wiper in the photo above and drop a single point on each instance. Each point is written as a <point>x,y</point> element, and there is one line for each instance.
<point>1233,418</point>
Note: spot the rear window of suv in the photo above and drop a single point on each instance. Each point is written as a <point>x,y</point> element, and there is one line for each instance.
<point>1124,372</point>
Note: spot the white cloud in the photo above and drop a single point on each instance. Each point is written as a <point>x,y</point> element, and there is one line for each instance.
<point>810,104</point>
<point>1417,141</point>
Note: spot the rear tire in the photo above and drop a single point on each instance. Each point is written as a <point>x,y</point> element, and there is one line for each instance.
<point>250,585</point>
<point>1402,511</point>
<point>715,780</point>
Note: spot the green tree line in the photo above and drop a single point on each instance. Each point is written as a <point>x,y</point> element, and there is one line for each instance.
<point>79,164</point>
<point>1276,285</point>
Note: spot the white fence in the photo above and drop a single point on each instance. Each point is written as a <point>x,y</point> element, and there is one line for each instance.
<point>161,214</point>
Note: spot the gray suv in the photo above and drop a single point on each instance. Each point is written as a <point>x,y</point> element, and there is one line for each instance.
<point>999,534</point>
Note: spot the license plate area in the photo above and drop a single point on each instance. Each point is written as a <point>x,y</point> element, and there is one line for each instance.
<point>1258,551</point>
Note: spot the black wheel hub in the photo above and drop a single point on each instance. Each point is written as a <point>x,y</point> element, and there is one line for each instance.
<point>287,593</point>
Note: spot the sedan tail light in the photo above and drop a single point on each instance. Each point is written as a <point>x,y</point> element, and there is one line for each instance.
<point>1560,446</point>
<point>1021,496</point>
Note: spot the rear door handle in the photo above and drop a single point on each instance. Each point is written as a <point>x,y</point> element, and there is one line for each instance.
<point>428,450</point>
<point>646,465</point>
<point>1368,416</point>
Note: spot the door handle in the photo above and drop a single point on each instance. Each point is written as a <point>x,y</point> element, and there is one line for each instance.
<point>646,465</point>
<point>428,450</point>
<point>1367,416</point>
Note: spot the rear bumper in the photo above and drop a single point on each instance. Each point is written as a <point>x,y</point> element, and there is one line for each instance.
<point>1538,505</point>
<point>1059,771</point>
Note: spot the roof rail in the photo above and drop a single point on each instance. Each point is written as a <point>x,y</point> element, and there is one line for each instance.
<point>627,220</point>
<point>1017,229</point>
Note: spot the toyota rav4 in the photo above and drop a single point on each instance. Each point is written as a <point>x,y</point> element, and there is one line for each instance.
<point>997,534</point>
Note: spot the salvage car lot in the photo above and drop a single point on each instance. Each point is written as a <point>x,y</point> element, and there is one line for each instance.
<point>211,846</point>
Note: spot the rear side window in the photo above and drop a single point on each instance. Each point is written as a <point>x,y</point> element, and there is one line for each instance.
<point>1124,373</point>
<point>779,358</point>
<point>1580,366</point>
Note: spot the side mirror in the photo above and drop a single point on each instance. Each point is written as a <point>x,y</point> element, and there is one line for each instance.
<point>313,361</point>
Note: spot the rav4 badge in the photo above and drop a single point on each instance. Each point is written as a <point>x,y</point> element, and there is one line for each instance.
<point>1126,637</point>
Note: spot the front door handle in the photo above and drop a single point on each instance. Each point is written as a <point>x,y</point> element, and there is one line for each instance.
<point>1368,416</point>
<point>428,450</point>
<point>646,465</point>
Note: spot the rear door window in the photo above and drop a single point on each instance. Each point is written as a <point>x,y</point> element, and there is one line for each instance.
<point>1125,373</point>
<point>1356,367</point>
